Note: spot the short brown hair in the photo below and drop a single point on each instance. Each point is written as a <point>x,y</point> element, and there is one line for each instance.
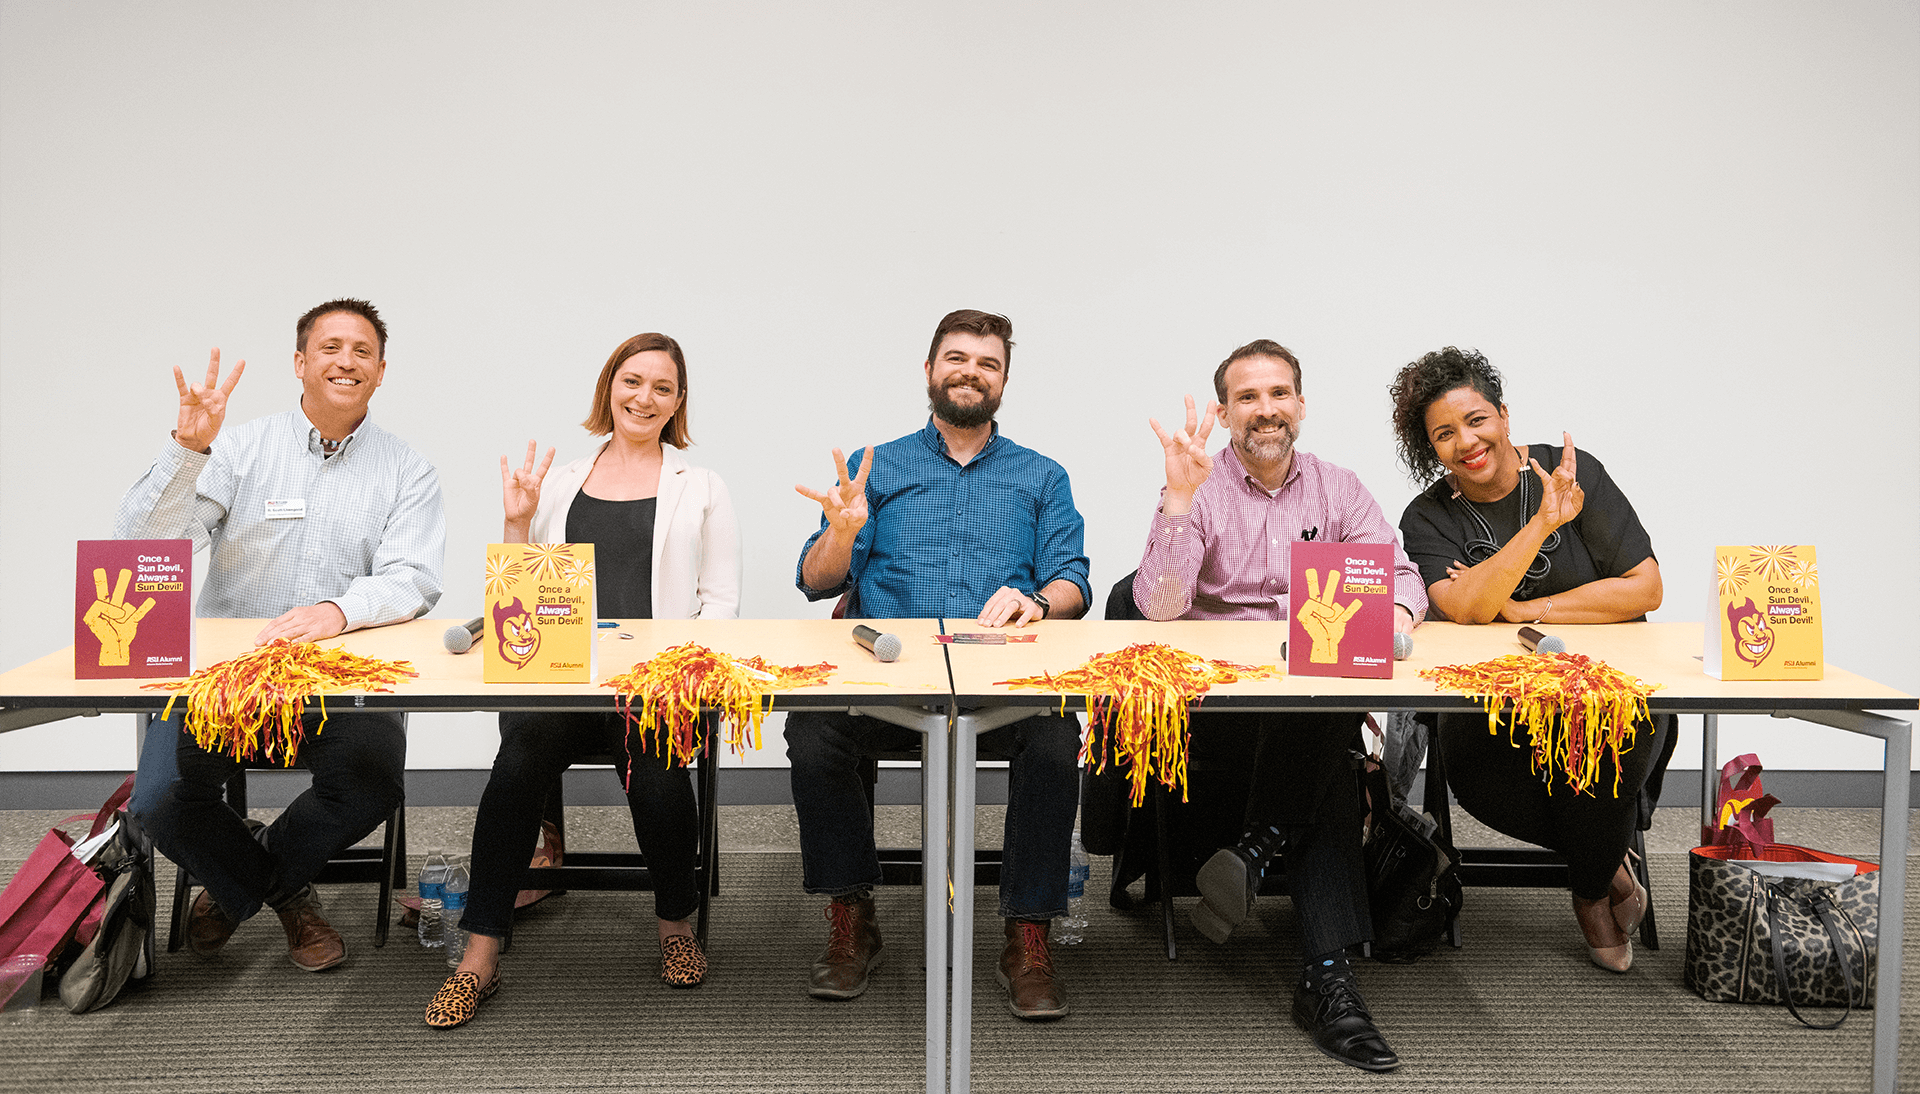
<point>346,304</point>
<point>1259,347</point>
<point>982,323</point>
<point>600,421</point>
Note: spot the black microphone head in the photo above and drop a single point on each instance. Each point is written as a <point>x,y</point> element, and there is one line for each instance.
<point>887,647</point>
<point>458,638</point>
<point>1551,643</point>
<point>1402,645</point>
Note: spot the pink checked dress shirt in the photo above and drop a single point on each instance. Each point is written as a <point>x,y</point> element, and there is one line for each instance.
<point>1227,558</point>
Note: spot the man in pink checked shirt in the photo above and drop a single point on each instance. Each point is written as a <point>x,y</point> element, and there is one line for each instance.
<point>1219,549</point>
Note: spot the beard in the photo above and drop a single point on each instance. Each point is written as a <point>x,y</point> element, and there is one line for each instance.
<point>1259,448</point>
<point>965,417</point>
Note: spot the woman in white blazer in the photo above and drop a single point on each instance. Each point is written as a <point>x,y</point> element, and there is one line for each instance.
<point>665,547</point>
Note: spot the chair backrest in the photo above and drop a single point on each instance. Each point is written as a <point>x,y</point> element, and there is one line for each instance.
<point>1120,603</point>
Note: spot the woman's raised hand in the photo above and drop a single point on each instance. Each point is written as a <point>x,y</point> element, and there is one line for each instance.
<point>520,488</point>
<point>1561,498</point>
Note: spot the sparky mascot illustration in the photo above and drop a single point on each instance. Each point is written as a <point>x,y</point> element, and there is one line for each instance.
<point>513,628</point>
<point>1752,637</point>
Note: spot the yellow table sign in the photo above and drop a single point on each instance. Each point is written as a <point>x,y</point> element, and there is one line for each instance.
<point>540,613</point>
<point>1766,617</point>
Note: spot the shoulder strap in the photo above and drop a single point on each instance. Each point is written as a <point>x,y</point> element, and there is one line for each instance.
<point>1822,907</point>
<point>111,806</point>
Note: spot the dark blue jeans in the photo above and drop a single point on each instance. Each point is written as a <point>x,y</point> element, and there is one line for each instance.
<point>534,749</point>
<point>359,766</point>
<point>837,853</point>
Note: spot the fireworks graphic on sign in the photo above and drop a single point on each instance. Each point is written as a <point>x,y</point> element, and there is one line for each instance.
<point>501,570</point>
<point>577,573</point>
<point>1731,572</point>
<point>544,560</point>
<point>1773,563</point>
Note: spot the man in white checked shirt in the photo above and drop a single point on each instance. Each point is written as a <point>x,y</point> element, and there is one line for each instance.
<point>321,522</point>
<point>1219,548</point>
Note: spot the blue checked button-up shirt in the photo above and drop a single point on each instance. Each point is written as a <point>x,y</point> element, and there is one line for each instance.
<point>941,538</point>
<point>371,537</point>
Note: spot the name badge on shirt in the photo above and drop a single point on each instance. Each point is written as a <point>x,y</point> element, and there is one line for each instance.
<point>286,508</point>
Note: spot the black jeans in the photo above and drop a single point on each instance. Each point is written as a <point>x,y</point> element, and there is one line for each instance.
<point>359,768</point>
<point>1495,782</point>
<point>534,749</point>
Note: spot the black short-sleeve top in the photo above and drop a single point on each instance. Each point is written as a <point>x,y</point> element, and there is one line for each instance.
<point>1605,540</point>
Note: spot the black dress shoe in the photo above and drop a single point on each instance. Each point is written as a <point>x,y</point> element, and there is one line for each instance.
<point>1336,1018</point>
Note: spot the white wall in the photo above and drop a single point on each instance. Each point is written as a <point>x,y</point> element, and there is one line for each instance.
<point>1686,232</point>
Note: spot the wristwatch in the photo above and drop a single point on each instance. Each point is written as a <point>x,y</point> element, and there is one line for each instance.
<point>1040,598</point>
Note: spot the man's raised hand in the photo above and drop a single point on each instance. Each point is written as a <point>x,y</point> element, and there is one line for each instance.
<point>845,502</point>
<point>203,407</point>
<point>1188,464</point>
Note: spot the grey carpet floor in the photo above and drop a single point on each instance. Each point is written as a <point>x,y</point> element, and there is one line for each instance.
<point>1517,1009</point>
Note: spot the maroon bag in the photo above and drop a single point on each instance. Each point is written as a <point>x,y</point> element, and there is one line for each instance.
<point>1746,821</point>
<point>53,897</point>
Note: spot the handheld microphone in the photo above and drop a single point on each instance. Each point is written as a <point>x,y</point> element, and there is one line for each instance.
<point>461,636</point>
<point>1402,645</point>
<point>1540,642</point>
<point>885,647</point>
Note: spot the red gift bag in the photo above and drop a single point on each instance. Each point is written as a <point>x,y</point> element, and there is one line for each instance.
<point>53,896</point>
<point>1740,807</point>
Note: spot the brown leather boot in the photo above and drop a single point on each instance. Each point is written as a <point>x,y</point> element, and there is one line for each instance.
<point>853,949</point>
<point>208,928</point>
<point>312,944</point>
<point>1026,971</point>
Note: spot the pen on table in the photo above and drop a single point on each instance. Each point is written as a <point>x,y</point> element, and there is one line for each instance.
<point>606,624</point>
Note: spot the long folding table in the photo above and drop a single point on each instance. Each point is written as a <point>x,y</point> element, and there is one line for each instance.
<point>1662,653</point>
<point>951,694</point>
<point>914,691</point>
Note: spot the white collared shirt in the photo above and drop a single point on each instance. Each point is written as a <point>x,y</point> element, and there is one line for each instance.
<point>370,534</point>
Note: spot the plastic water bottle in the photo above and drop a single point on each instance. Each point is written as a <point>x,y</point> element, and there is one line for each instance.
<point>433,879</point>
<point>454,896</point>
<point>1071,929</point>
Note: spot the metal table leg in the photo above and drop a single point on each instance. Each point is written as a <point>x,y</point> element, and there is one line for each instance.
<point>966,738</point>
<point>1898,736</point>
<point>1709,773</point>
<point>935,779</point>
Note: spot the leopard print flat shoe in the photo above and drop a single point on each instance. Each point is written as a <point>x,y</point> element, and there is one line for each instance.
<point>459,998</point>
<point>682,965</point>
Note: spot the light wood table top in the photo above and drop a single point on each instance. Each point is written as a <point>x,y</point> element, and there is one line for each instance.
<point>1661,653</point>
<point>450,682</point>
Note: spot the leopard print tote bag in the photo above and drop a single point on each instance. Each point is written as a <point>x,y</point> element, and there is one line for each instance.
<point>1781,940</point>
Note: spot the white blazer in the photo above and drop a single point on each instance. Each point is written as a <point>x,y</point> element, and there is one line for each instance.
<point>696,543</point>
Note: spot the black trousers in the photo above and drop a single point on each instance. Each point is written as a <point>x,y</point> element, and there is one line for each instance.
<point>1494,781</point>
<point>358,761</point>
<point>534,749</point>
<point>1304,784</point>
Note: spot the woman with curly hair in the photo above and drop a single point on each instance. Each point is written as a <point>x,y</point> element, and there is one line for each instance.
<point>1535,534</point>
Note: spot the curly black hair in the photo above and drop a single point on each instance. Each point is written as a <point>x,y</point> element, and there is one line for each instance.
<point>1415,389</point>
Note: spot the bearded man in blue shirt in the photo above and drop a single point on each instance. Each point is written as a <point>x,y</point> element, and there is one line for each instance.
<point>952,521</point>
